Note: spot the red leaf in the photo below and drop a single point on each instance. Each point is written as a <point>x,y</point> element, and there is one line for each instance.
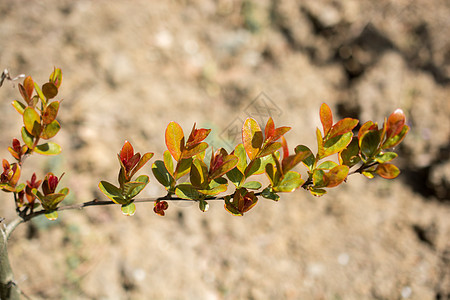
<point>269,130</point>
<point>395,123</point>
<point>342,126</point>
<point>196,136</point>
<point>369,125</point>
<point>326,117</point>
<point>126,153</point>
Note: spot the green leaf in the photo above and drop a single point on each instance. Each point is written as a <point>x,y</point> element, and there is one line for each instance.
<point>235,176</point>
<point>27,138</point>
<point>50,130</point>
<point>51,201</point>
<point>388,171</point>
<point>184,166</point>
<point>269,194</point>
<point>289,183</point>
<point>395,140</point>
<point>187,153</point>
<point>327,165</point>
<point>49,148</point>
<point>187,191</point>
<point>273,174</point>
<point>52,216</point>
<point>199,174</point>
<point>50,112</point>
<point>168,162</point>
<point>319,178</point>
<point>336,144</point>
<point>252,185</point>
<point>32,121</point>
<point>174,140</point>
<point>369,143</point>
<point>240,153</point>
<point>336,176</point>
<point>269,149</point>
<point>133,188</point>
<point>253,167</point>
<point>350,155</point>
<point>49,90</point>
<point>368,174</point>
<point>161,174</point>
<point>39,92</point>
<point>128,209</point>
<point>56,77</point>
<point>385,157</point>
<point>252,138</point>
<point>203,205</point>
<point>19,106</point>
<point>317,192</point>
<point>309,160</point>
<point>216,186</point>
<point>112,192</point>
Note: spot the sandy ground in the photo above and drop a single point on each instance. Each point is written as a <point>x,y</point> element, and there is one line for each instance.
<point>131,67</point>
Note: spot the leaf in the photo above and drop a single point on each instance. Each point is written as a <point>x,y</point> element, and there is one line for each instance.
<point>144,159</point>
<point>112,192</point>
<point>50,130</point>
<point>319,178</point>
<point>199,174</point>
<point>336,144</point>
<point>341,127</point>
<point>40,94</point>
<point>327,165</point>
<point>350,155</point>
<point>174,140</point>
<point>388,171</point>
<point>269,194</point>
<point>291,161</point>
<point>309,160</point>
<point>235,176</point>
<point>252,185</point>
<point>368,174</point>
<point>253,167</point>
<point>19,106</point>
<point>203,205</point>
<point>317,192</point>
<point>385,157</point>
<point>52,216</point>
<point>49,90</point>
<point>128,209</point>
<point>27,138</point>
<point>326,118</point>
<point>336,176</point>
<point>56,77</point>
<point>183,167</point>
<point>27,89</point>
<point>369,143</point>
<point>289,183</point>
<point>196,136</point>
<point>49,148</point>
<point>133,188</point>
<point>216,186</point>
<point>320,149</point>
<point>187,191</point>
<point>228,163</point>
<point>252,138</point>
<point>269,149</point>
<point>239,152</point>
<point>369,125</point>
<point>269,130</point>
<point>397,139</point>
<point>168,162</point>
<point>32,121</point>
<point>395,123</point>
<point>161,174</point>
<point>50,112</point>
<point>190,152</point>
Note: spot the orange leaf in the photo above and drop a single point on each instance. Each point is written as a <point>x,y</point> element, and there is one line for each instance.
<point>388,171</point>
<point>252,138</point>
<point>342,126</point>
<point>326,117</point>
<point>175,140</point>
<point>395,123</point>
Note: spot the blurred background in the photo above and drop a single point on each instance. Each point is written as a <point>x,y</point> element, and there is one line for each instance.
<point>131,67</point>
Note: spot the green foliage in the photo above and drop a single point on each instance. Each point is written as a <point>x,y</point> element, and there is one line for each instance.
<point>261,151</point>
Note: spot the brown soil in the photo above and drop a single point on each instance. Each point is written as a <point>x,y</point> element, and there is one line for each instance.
<point>131,67</point>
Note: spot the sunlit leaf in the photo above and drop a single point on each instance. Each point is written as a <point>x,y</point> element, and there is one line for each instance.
<point>269,194</point>
<point>190,152</point>
<point>350,155</point>
<point>235,176</point>
<point>369,125</point>
<point>319,178</point>
<point>369,143</point>
<point>144,159</point>
<point>327,165</point>
<point>40,94</point>
<point>252,138</point>
<point>52,216</point>
<point>395,123</point>
<point>49,148</point>
<point>19,106</point>
<point>326,118</point>
<point>388,171</point>
<point>385,157</point>
<point>308,161</point>
<point>50,112</point>
<point>32,121</point>
<point>252,185</point>
<point>291,161</point>
<point>187,191</point>
<point>336,144</point>
<point>128,209</point>
<point>56,77</point>
<point>50,130</point>
<point>240,153</point>
<point>227,164</point>
<point>168,162</point>
<point>342,126</point>
<point>174,140</point>
<point>336,176</point>
<point>216,186</point>
<point>27,138</point>
<point>269,149</point>
<point>133,188</point>
<point>290,182</point>
<point>317,192</point>
<point>199,174</point>
<point>184,166</point>
<point>203,205</point>
<point>397,139</point>
<point>112,192</point>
